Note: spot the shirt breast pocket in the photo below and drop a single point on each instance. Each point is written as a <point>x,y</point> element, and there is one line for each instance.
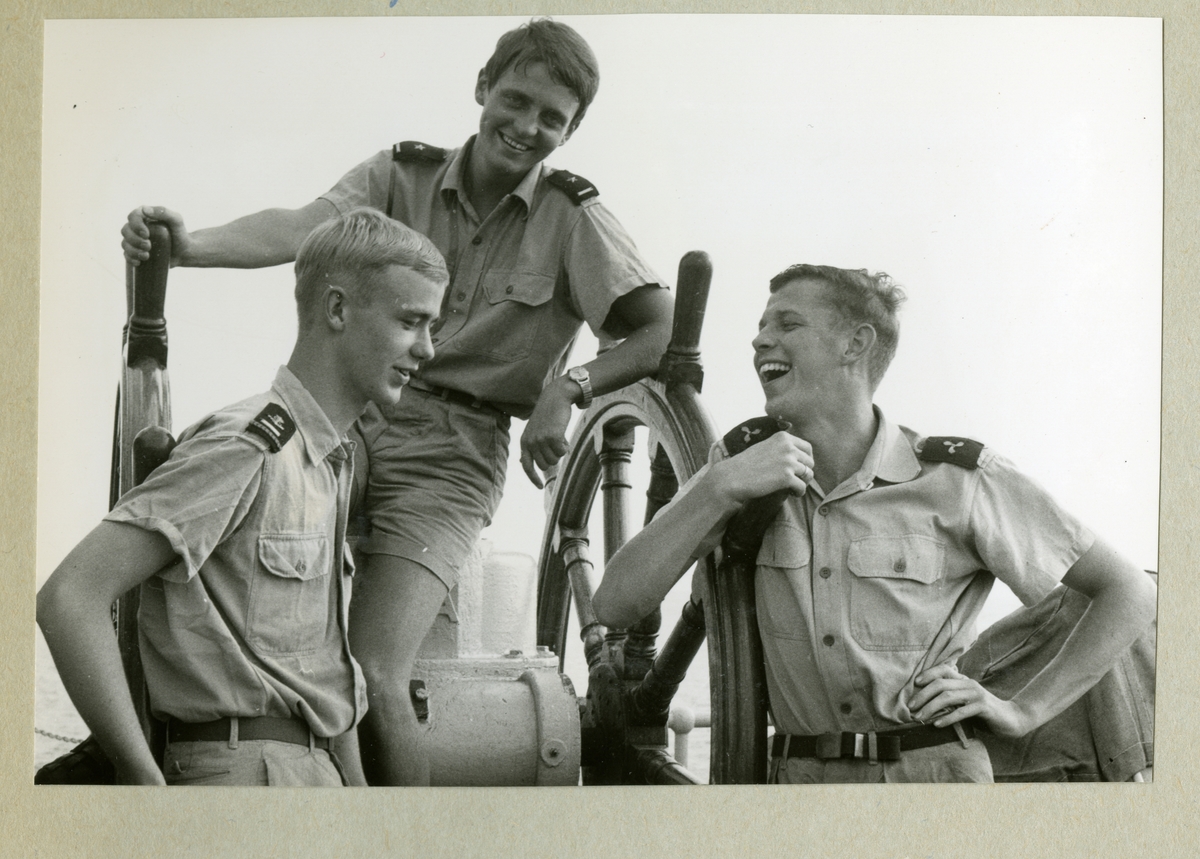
<point>508,324</point>
<point>289,598</point>
<point>896,595</point>
<point>782,559</point>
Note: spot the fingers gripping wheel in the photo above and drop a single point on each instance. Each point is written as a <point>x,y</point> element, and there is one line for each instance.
<point>744,534</point>
<point>630,684</point>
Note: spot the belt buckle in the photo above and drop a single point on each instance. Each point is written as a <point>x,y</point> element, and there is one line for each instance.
<point>829,746</point>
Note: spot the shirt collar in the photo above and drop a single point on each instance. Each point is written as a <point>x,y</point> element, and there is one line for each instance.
<point>312,424</point>
<point>890,456</point>
<point>455,181</point>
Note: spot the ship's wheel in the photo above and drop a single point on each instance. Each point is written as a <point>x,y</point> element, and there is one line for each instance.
<point>630,684</point>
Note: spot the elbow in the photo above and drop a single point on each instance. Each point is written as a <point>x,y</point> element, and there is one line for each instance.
<point>49,607</point>
<point>610,611</point>
<point>1146,602</point>
<point>604,611</point>
<point>659,339</point>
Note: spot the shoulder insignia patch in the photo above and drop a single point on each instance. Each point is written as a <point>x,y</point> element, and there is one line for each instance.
<point>411,150</point>
<point>749,433</point>
<point>947,448</point>
<point>575,187</point>
<point>274,426</point>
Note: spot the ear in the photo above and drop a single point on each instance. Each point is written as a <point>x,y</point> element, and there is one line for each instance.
<point>859,342</point>
<point>334,307</point>
<point>481,87</point>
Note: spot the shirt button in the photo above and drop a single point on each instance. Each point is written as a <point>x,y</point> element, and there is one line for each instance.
<point>508,289</point>
<point>900,566</point>
<point>461,296</point>
<point>826,572</point>
<point>828,640</point>
<point>824,511</point>
<point>845,708</point>
<point>477,240</point>
<point>301,566</point>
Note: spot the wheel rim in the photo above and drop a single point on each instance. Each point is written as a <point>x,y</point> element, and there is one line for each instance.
<point>681,432</point>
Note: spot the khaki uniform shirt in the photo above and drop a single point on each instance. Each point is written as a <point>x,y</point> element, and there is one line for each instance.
<point>523,281</point>
<point>861,589</point>
<point>250,619</point>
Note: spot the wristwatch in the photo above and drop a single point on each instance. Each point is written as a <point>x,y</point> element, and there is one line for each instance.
<point>580,376</point>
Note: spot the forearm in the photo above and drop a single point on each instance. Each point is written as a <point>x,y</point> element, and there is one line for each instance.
<point>641,573</point>
<point>266,238</point>
<point>81,640</point>
<point>1116,616</point>
<point>634,358</point>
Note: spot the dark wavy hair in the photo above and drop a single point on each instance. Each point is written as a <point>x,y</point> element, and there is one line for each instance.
<point>568,58</point>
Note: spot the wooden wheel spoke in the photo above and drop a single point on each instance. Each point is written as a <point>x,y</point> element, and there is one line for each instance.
<point>630,686</point>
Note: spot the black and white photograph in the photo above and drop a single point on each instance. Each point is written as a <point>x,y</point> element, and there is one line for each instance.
<point>599,400</point>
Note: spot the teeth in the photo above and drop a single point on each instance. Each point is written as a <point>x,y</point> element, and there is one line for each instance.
<point>771,370</point>
<point>514,144</point>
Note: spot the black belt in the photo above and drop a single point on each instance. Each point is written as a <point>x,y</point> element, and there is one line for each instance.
<point>460,398</point>
<point>258,728</point>
<point>879,746</point>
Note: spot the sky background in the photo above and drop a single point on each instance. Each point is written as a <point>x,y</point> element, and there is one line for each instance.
<point>1006,171</point>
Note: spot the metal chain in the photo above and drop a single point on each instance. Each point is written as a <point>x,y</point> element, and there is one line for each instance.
<point>58,737</point>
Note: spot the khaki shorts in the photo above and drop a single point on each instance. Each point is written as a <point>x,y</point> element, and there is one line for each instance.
<point>429,475</point>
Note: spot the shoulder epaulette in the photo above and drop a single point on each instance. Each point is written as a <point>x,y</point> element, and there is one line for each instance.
<point>947,448</point>
<point>411,150</point>
<point>575,187</point>
<point>749,433</point>
<point>274,426</point>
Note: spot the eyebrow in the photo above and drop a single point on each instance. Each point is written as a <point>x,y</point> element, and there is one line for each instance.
<point>781,314</point>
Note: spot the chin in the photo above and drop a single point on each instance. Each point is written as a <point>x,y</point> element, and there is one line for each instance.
<point>779,408</point>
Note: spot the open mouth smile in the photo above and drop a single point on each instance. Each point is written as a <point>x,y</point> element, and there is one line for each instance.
<point>520,147</point>
<point>769,371</point>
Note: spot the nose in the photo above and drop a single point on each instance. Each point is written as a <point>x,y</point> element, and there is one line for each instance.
<point>762,340</point>
<point>526,123</point>
<point>422,349</point>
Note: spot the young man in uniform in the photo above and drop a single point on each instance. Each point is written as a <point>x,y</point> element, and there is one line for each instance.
<point>532,255</point>
<point>238,542</point>
<point>871,576</point>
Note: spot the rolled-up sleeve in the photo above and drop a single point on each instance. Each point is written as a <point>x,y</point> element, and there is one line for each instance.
<point>1024,537</point>
<point>196,498</point>
<point>364,185</point>
<point>603,264</point>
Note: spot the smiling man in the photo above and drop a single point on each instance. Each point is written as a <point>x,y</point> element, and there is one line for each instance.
<point>533,254</point>
<point>870,578</point>
<point>238,543</point>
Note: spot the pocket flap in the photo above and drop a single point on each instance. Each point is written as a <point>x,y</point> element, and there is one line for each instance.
<point>784,545</point>
<point>912,556</point>
<point>294,556</point>
<point>526,287</point>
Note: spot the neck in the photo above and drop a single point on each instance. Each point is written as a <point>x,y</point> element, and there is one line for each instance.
<point>312,368</point>
<point>485,189</point>
<point>840,440</point>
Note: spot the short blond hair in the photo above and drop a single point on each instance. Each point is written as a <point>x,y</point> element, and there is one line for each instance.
<point>361,242</point>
